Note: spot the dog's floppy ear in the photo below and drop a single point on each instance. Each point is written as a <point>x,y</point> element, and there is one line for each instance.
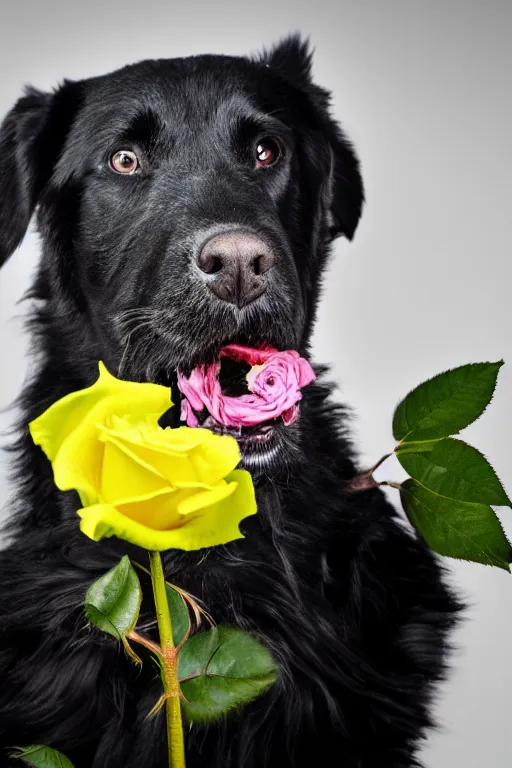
<point>346,184</point>
<point>31,138</point>
<point>292,58</point>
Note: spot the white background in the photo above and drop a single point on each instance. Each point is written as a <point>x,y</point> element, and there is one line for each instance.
<point>424,90</point>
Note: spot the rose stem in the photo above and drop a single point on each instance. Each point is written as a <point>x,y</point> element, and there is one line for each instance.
<point>175,741</point>
<point>365,481</point>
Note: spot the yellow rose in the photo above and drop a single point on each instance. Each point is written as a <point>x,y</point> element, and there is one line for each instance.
<point>156,488</point>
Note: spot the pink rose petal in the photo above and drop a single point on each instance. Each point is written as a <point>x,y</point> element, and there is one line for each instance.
<point>274,382</point>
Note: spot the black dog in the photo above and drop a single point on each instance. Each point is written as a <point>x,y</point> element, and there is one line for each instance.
<point>184,205</point>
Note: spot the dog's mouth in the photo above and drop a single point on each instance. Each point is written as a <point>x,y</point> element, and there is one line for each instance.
<point>261,433</point>
<point>250,394</point>
<point>234,384</point>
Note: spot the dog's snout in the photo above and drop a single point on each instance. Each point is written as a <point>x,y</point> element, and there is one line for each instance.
<point>238,263</point>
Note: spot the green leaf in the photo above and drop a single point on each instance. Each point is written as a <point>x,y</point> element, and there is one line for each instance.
<point>422,446</point>
<point>454,469</point>
<point>444,405</point>
<point>42,757</point>
<point>197,652</point>
<point>112,603</point>
<point>222,669</point>
<point>456,528</point>
<point>209,698</point>
<point>180,618</point>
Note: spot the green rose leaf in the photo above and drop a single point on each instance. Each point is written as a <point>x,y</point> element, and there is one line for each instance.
<point>180,618</point>
<point>222,669</point>
<point>197,652</point>
<point>454,528</point>
<point>454,469</point>
<point>42,757</point>
<point>112,603</point>
<point>447,403</point>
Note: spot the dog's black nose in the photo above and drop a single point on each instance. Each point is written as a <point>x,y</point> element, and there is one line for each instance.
<point>238,263</point>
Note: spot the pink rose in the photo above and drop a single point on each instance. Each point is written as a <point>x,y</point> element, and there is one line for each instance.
<point>274,384</point>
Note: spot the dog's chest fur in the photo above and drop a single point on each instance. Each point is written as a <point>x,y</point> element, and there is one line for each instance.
<point>351,606</point>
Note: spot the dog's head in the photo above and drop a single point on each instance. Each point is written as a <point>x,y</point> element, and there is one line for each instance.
<point>184,204</point>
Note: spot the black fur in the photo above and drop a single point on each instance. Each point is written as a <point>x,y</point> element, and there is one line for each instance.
<point>351,604</point>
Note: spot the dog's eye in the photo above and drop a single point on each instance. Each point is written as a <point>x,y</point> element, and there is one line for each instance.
<point>125,161</point>
<point>268,151</point>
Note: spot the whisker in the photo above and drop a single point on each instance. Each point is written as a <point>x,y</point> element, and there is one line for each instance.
<point>277,111</point>
<point>124,356</point>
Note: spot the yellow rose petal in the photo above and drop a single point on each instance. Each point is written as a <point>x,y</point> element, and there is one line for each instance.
<point>218,525</point>
<point>77,464</point>
<point>124,476</point>
<point>206,461</point>
<point>160,511</point>
<point>180,440</point>
<point>215,458</point>
<point>53,426</point>
<point>103,520</point>
<point>148,431</point>
<point>202,500</point>
<point>67,432</point>
<point>165,463</point>
<point>178,468</point>
<point>194,468</point>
